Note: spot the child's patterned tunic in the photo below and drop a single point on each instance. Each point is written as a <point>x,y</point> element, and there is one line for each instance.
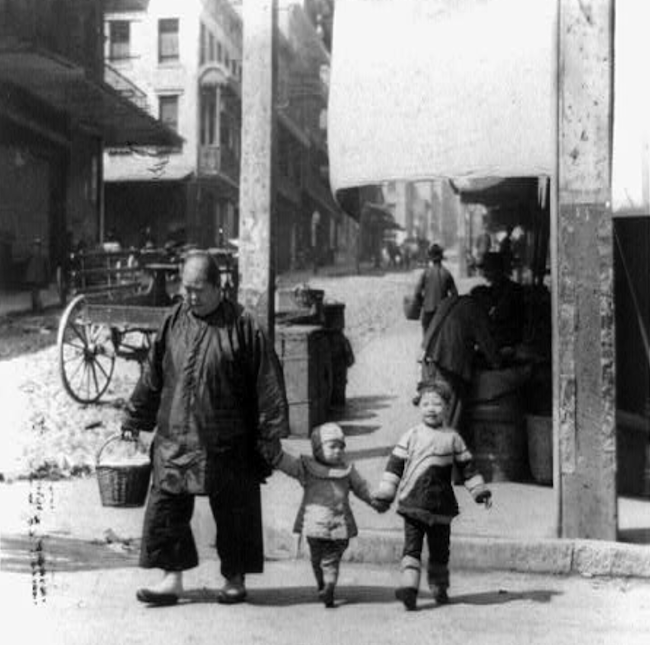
<point>419,473</point>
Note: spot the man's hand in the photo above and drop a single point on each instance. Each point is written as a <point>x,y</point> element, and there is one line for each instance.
<point>129,433</point>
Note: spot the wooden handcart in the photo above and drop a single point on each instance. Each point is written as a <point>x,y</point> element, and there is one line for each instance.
<point>119,300</point>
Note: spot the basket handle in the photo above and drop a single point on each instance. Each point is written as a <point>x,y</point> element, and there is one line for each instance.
<point>118,436</point>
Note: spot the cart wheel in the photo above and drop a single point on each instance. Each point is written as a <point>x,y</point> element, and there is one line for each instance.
<point>86,353</point>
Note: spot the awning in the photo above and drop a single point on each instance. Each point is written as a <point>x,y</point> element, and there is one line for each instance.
<point>214,74</point>
<point>144,165</point>
<point>509,193</point>
<point>90,103</point>
<point>442,89</point>
<point>378,216</point>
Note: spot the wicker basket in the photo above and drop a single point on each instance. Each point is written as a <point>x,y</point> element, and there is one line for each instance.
<point>125,485</point>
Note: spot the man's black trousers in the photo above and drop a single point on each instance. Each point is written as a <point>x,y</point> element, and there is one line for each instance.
<point>167,540</point>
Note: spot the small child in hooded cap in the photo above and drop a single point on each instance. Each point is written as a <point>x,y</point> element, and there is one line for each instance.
<point>325,517</point>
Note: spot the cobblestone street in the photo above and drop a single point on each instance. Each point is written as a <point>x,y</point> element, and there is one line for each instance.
<point>45,431</point>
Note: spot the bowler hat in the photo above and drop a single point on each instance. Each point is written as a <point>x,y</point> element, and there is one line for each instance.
<point>436,252</point>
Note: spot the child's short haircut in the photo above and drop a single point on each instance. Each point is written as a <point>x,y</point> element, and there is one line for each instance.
<point>441,388</point>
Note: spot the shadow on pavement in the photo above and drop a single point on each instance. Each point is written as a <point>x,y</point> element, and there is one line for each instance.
<point>25,554</point>
<point>356,431</point>
<point>358,408</point>
<point>501,596</point>
<point>286,596</point>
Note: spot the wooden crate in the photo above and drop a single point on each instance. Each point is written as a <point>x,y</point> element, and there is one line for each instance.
<point>305,356</point>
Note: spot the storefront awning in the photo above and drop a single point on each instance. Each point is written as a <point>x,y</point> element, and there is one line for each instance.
<point>442,89</point>
<point>378,216</point>
<point>144,165</point>
<point>467,90</point>
<point>90,103</point>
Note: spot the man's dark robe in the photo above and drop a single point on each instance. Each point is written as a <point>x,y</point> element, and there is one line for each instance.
<point>213,389</point>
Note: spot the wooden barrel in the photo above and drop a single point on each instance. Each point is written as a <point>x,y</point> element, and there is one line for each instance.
<point>496,434</point>
<point>306,359</point>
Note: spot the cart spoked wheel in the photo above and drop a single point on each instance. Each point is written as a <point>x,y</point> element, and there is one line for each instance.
<point>86,353</point>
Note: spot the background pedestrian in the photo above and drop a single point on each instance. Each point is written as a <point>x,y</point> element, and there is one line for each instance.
<point>434,285</point>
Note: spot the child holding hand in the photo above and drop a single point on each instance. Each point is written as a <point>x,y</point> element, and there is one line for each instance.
<point>419,475</point>
<point>325,516</point>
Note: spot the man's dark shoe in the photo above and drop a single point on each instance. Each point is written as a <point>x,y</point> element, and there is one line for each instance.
<point>232,592</point>
<point>156,598</point>
<point>327,595</point>
<point>408,596</point>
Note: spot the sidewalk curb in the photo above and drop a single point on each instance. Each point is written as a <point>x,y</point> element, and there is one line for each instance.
<point>543,555</point>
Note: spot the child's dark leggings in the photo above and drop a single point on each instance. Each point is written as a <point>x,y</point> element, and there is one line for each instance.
<point>325,559</point>
<point>438,536</point>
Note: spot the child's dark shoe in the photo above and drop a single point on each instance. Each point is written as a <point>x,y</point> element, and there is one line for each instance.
<point>327,595</point>
<point>408,596</point>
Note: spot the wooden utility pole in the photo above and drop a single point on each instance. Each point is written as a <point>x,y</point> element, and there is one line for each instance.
<point>584,389</point>
<point>256,185</point>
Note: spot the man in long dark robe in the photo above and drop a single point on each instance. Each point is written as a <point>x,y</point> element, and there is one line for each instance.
<point>213,389</point>
<point>459,329</point>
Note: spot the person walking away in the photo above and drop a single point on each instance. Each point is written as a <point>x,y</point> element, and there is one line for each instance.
<point>212,386</point>
<point>37,274</point>
<point>449,353</point>
<point>418,474</point>
<point>434,285</point>
<point>325,516</point>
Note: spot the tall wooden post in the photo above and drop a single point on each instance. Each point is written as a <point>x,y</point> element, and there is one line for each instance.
<point>256,185</point>
<point>585,403</point>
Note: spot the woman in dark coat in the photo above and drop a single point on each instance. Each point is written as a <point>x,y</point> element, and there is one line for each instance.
<point>212,387</point>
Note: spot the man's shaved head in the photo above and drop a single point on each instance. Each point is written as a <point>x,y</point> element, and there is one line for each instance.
<point>202,261</point>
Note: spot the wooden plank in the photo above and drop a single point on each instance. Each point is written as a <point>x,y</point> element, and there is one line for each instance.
<point>127,316</point>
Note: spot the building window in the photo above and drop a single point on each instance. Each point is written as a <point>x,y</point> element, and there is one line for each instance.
<point>202,45</point>
<point>168,111</point>
<point>219,51</point>
<point>168,40</point>
<point>119,40</point>
<point>211,47</point>
<point>208,116</point>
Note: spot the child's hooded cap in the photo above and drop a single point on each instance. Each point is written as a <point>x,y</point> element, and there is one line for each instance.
<point>441,388</point>
<point>326,432</point>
